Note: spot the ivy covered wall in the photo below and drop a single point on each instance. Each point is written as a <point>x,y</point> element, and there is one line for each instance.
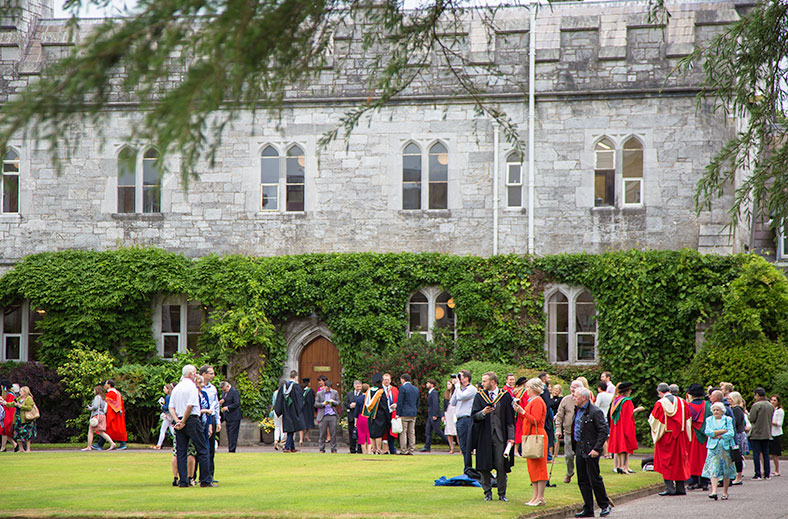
<point>647,302</point>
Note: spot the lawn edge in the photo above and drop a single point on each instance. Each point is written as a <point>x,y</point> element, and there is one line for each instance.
<point>616,499</point>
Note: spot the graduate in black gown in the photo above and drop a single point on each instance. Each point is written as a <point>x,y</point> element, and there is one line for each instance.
<point>492,429</point>
<point>290,406</point>
<point>308,413</point>
<point>376,409</point>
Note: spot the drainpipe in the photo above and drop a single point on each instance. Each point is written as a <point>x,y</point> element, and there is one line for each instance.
<point>531,122</point>
<point>496,174</point>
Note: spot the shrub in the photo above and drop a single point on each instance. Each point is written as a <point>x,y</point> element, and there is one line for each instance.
<point>57,408</point>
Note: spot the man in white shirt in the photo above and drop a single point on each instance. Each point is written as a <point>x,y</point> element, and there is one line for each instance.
<point>464,393</point>
<point>208,373</point>
<point>606,377</point>
<point>185,412</point>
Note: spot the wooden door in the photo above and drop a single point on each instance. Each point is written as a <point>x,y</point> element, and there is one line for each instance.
<point>320,357</point>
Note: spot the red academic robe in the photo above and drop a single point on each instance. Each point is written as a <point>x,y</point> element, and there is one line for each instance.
<point>394,396</point>
<point>697,451</point>
<point>622,427</point>
<point>518,423</point>
<point>671,428</point>
<point>116,416</point>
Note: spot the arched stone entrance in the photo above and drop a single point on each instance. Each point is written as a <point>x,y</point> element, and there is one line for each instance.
<point>310,352</point>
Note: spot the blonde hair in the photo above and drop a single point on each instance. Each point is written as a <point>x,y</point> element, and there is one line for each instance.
<point>735,399</point>
<point>584,381</point>
<point>26,390</point>
<point>726,387</point>
<point>536,384</point>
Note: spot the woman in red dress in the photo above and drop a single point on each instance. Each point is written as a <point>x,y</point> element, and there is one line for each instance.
<point>622,441</point>
<point>532,417</point>
<point>7,424</point>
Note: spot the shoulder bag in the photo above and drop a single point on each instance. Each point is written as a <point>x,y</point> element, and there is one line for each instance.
<point>533,445</point>
<point>33,414</point>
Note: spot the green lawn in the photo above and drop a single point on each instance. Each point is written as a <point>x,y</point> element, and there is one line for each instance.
<point>270,485</point>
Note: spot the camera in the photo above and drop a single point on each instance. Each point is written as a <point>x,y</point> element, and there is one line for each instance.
<point>455,375</point>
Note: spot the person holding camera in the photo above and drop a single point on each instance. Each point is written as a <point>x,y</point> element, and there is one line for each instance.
<point>462,400</point>
<point>98,419</point>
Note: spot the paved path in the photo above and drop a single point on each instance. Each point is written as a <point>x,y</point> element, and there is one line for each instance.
<point>753,500</point>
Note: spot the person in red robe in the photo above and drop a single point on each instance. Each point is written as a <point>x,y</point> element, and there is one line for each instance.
<point>700,409</point>
<point>671,427</point>
<point>116,415</point>
<point>623,439</point>
<point>520,397</point>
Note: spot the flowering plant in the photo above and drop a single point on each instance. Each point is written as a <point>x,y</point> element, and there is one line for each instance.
<point>266,424</point>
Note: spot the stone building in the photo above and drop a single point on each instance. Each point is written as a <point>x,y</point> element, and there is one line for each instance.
<point>619,144</point>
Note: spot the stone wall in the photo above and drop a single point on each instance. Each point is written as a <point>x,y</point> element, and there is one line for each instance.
<point>597,75</point>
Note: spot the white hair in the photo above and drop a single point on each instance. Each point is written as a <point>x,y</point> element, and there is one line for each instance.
<point>188,369</point>
<point>718,405</point>
<point>583,392</point>
<point>536,384</point>
<point>576,383</point>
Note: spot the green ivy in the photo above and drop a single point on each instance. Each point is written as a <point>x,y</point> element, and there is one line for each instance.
<point>648,303</point>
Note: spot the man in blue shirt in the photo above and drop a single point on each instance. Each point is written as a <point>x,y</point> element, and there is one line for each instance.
<point>589,434</point>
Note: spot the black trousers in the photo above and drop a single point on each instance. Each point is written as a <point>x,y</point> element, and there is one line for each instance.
<point>193,431</point>
<point>499,462</point>
<point>232,434</point>
<point>433,426</point>
<point>590,482</point>
<point>352,437</point>
<point>211,453</point>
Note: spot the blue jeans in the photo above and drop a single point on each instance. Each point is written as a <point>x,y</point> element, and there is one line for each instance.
<point>760,448</point>
<point>464,437</point>
<point>290,442</point>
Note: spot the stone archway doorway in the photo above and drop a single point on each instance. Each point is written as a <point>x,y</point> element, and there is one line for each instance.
<point>320,357</point>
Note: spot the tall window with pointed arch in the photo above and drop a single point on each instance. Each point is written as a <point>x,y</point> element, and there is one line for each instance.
<point>9,188</point>
<point>632,171</point>
<point>294,189</point>
<point>514,180</point>
<point>431,308</point>
<point>269,179</point>
<point>411,177</point>
<point>571,325</point>
<point>604,173</point>
<point>439,176</point>
<point>139,181</point>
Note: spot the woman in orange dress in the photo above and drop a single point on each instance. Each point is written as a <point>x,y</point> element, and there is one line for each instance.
<point>533,417</point>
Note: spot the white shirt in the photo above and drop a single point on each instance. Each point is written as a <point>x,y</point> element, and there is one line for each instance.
<point>213,401</point>
<point>183,395</point>
<point>462,398</point>
<point>777,418</point>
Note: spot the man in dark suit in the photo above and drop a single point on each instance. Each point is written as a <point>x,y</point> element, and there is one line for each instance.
<point>290,406</point>
<point>492,430</point>
<point>350,408</point>
<point>407,409</point>
<point>434,414</point>
<point>589,433</point>
<point>231,407</point>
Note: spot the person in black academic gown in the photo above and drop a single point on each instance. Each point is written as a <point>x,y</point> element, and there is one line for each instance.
<point>380,419</point>
<point>308,413</point>
<point>290,406</point>
<point>492,429</point>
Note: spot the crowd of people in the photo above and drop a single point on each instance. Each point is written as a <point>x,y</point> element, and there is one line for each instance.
<point>18,415</point>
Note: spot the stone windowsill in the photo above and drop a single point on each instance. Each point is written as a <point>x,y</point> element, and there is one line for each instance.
<point>10,217</point>
<point>633,209</point>
<point>626,210</point>
<point>275,215</point>
<point>138,217</point>
<point>426,213</point>
<point>515,210</point>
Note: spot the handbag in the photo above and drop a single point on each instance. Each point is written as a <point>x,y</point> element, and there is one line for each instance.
<point>396,425</point>
<point>33,414</point>
<point>93,421</point>
<point>533,445</point>
<point>736,454</point>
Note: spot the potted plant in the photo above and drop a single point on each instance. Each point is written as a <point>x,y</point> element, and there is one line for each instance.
<point>267,429</point>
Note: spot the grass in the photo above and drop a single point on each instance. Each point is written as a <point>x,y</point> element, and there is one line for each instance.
<point>271,485</point>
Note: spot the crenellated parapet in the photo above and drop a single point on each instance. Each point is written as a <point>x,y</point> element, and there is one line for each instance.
<point>582,48</point>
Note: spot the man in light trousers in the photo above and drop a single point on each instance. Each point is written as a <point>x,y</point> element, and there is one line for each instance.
<point>563,428</point>
<point>326,403</point>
